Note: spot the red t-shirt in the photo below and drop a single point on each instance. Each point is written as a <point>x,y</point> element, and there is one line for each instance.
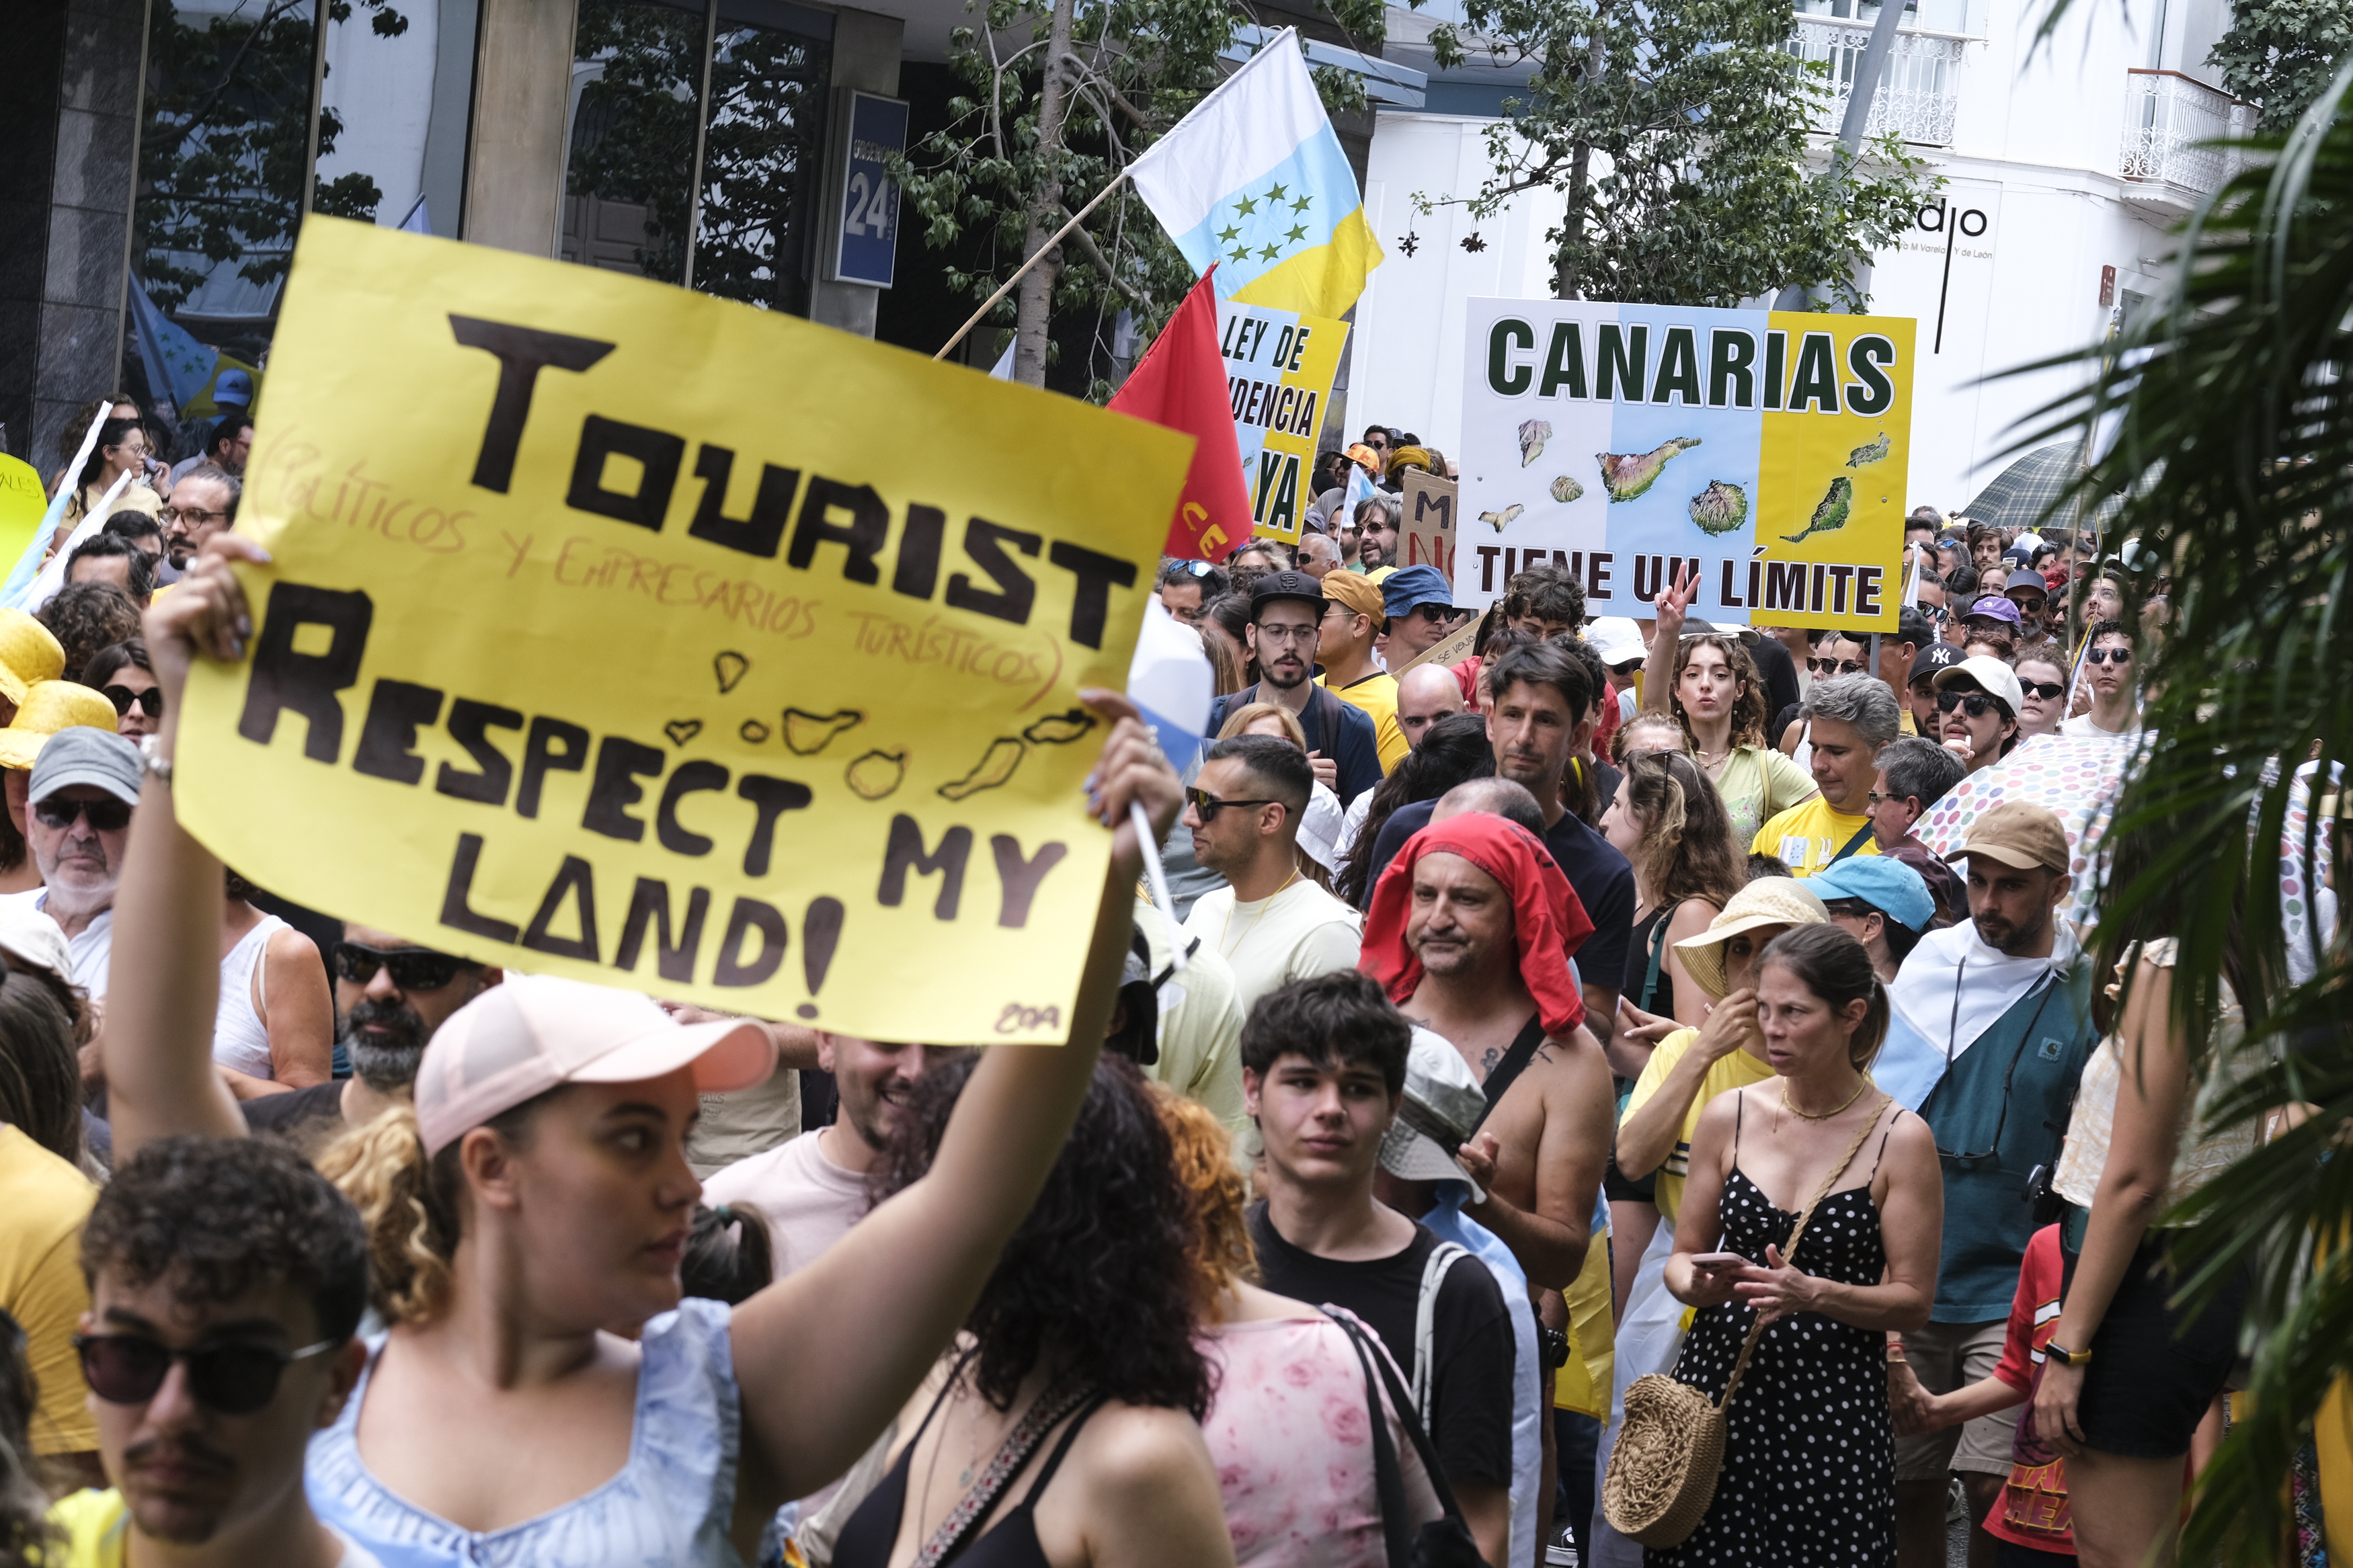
<point>2033,1509</point>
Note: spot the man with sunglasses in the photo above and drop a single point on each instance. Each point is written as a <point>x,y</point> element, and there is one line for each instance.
<point>78,822</point>
<point>1419,605</point>
<point>1990,1026</point>
<point>1186,586</point>
<point>2115,705</point>
<point>1287,611</point>
<point>390,996</point>
<point>1897,654</point>
<point>1269,924</point>
<point>1913,775</point>
<point>1980,699</point>
<point>227,1280</point>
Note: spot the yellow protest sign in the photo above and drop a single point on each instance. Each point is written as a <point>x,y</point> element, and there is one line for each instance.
<point>1280,366</point>
<point>22,505</point>
<point>621,633</point>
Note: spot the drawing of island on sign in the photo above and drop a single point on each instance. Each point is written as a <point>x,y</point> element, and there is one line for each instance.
<point>1627,476</point>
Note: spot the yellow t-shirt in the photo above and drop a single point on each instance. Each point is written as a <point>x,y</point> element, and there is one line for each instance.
<point>96,1526</point>
<point>1735,1070</point>
<point>41,1284</point>
<point>1376,696</point>
<point>1808,836</point>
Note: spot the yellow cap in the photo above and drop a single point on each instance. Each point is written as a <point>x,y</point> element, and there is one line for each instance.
<point>28,654</point>
<point>49,706</point>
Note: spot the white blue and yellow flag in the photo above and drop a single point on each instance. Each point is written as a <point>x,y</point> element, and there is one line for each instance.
<point>1254,180</point>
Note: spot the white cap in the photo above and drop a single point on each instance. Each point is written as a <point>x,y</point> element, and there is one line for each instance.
<point>1616,638</point>
<point>516,1041</point>
<point>1442,1103</point>
<point>1995,677</point>
<point>29,936</point>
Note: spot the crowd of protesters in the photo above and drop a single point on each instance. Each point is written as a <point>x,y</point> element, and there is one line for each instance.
<point>1564,1000</point>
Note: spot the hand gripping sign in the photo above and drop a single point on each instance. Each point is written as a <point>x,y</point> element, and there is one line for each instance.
<point>620,632</point>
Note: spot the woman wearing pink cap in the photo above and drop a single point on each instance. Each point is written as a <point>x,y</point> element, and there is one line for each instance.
<point>539,1193</point>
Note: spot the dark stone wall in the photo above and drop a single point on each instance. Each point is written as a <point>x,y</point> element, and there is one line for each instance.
<point>65,212</point>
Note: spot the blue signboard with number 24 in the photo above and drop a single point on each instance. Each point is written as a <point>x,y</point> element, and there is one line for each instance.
<point>870,198</point>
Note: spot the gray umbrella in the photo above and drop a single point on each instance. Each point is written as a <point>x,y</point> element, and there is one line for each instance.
<point>2021,495</point>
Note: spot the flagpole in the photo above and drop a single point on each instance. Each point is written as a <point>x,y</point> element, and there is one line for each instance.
<point>990,303</point>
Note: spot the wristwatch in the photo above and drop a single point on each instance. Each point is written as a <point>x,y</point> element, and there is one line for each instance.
<point>151,758</point>
<point>2066,1357</point>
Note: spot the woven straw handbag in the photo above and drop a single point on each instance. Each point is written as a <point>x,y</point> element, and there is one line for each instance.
<point>1662,1473</point>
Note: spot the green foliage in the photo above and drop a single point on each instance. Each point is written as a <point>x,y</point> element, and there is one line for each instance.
<point>2232,388</point>
<point>2282,53</point>
<point>221,153</point>
<point>1135,67</point>
<point>633,141</point>
<point>1681,136</point>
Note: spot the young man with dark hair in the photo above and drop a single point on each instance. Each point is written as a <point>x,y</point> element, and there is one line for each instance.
<point>1545,601</point>
<point>1538,718</point>
<point>2108,665</point>
<point>1186,586</point>
<point>1269,924</point>
<point>1897,654</point>
<point>140,531</point>
<point>104,558</point>
<point>1287,610</point>
<point>1323,1076</point>
<point>227,1280</point>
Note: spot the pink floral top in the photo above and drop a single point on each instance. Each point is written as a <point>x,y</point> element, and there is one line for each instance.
<point>1291,1437</point>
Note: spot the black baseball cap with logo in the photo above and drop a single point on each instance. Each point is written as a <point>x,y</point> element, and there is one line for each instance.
<point>1937,655</point>
<point>1284,585</point>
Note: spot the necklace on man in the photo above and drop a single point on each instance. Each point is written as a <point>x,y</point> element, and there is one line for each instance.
<point>1225,951</point>
<point>1796,1110</point>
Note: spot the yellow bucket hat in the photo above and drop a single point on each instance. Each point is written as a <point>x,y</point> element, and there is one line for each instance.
<point>29,655</point>
<point>47,707</point>
<point>1766,901</point>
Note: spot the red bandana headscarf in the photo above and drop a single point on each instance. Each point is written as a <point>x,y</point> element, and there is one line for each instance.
<point>1547,917</point>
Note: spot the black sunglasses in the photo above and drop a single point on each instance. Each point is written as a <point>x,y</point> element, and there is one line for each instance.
<point>413,968</point>
<point>1977,704</point>
<point>233,1379</point>
<point>1208,806</point>
<point>1835,666</point>
<point>2045,689</point>
<point>151,701</point>
<point>107,816</point>
<point>2110,655</point>
<point>1435,614</point>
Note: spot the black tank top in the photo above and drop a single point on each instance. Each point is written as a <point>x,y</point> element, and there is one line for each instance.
<point>872,1527</point>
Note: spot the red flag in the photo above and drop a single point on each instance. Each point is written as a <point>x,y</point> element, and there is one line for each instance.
<point>1181,383</point>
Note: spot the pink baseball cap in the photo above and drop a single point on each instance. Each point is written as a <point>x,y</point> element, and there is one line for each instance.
<point>522,1037</point>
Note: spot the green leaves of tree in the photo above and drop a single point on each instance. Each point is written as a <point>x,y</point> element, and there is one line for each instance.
<point>1681,135</point>
<point>2283,53</point>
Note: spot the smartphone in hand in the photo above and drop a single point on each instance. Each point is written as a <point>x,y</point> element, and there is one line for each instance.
<point>1717,1262</point>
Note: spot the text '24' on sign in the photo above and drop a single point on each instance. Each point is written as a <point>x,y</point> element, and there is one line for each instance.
<point>617,632</point>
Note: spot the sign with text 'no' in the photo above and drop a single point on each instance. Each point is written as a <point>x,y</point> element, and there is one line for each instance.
<point>1764,449</point>
<point>621,633</point>
<point>1280,366</point>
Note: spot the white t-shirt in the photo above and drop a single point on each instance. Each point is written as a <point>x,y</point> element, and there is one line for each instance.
<point>811,1202</point>
<point>2082,729</point>
<point>91,950</point>
<point>1295,934</point>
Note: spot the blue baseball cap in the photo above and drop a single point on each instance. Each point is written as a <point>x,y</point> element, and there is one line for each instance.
<point>1402,591</point>
<point>233,386</point>
<point>1883,882</point>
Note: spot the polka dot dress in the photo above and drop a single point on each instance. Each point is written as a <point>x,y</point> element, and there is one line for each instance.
<point>1809,1477</point>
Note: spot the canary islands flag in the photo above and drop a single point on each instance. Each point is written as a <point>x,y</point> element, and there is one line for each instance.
<point>1254,181</point>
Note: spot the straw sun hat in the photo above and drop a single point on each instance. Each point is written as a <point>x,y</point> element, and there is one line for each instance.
<point>47,707</point>
<point>1766,901</point>
<point>28,654</point>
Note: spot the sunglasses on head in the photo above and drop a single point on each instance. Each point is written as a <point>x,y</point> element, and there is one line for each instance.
<point>2048,690</point>
<point>1977,704</point>
<point>233,1379</point>
<point>109,815</point>
<point>2110,655</point>
<point>1835,666</point>
<point>151,701</point>
<point>413,968</point>
<point>1208,806</point>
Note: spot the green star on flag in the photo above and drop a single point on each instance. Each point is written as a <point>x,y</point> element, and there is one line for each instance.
<point>1269,253</point>
<point>1245,207</point>
<point>1298,233</point>
<point>1275,195</point>
<point>1300,205</point>
<point>1243,255</point>
<point>1229,233</point>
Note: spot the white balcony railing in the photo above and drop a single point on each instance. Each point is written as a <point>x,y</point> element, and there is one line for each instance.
<point>1916,96</point>
<point>2167,115</point>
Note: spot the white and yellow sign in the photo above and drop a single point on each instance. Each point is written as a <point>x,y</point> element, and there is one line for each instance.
<point>617,632</point>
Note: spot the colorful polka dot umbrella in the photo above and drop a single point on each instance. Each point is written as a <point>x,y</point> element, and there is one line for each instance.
<point>2078,781</point>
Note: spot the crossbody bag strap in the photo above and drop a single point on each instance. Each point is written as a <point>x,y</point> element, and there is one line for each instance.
<point>1327,719</point>
<point>1400,1402</point>
<point>1790,1253</point>
<point>1853,845</point>
<point>1507,1071</point>
<point>1442,1257</point>
<point>1657,956</point>
<point>1388,1476</point>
